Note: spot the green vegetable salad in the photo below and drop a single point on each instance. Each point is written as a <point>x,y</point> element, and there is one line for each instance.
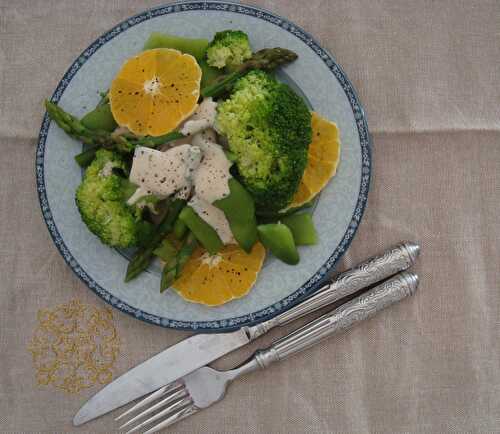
<point>225,175</point>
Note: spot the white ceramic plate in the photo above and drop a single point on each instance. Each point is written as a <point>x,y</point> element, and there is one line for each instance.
<point>337,214</point>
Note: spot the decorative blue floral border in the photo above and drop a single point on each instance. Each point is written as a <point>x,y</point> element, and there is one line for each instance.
<point>312,283</point>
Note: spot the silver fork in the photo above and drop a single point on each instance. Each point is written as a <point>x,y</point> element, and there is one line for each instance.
<point>206,386</point>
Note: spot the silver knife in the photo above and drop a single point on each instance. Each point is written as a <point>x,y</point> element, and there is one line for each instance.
<point>202,349</point>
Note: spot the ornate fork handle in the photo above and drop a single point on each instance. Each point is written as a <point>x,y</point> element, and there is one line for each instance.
<point>376,269</point>
<point>342,318</point>
<point>347,315</point>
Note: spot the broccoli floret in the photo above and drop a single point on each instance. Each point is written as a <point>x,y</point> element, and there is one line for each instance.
<point>101,197</point>
<point>228,48</point>
<point>268,128</point>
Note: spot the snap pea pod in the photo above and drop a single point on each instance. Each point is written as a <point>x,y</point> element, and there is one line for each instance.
<point>239,209</point>
<point>173,268</point>
<point>143,256</point>
<point>278,238</point>
<point>180,229</point>
<point>302,228</point>
<point>195,47</point>
<point>100,118</point>
<point>204,233</point>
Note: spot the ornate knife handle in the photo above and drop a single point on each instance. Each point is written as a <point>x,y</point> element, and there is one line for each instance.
<point>396,259</point>
<point>342,318</point>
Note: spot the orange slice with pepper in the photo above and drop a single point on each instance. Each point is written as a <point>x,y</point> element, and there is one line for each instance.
<point>155,91</point>
<point>322,161</point>
<point>213,280</point>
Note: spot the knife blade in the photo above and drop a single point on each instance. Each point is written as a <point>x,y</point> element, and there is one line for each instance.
<point>163,368</point>
<point>202,349</point>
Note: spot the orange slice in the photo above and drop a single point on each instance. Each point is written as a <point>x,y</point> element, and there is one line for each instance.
<point>155,91</point>
<point>322,160</point>
<point>215,280</point>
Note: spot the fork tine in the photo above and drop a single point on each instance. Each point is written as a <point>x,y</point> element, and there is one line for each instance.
<point>154,396</point>
<point>181,414</point>
<point>171,408</point>
<point>177,394</point>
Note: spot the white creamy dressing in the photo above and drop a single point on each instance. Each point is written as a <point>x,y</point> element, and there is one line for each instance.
<point>185,192</point>
<point>163,173</point>
<point>211,183</point>
<point>214,217</point>
<point>203,164</point>
<point>205,135</point>
<point>212,176</point>
<point>202,118</point>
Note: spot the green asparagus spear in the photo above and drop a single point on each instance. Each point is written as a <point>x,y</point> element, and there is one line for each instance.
<point>85,158</point>
<point>168,274</point>
<point>266,59</point>
<point>124,143</point>
<point>165,251</point>
<point>149,141</point>
<point>143,256</point>
<point>173,268</point>
<point>186,251</point>
<point>74,128</point>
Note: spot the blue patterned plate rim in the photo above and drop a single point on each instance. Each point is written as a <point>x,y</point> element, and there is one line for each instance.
<point>312,283</point>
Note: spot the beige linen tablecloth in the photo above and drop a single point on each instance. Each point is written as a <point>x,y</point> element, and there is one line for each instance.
<point>428,75</point>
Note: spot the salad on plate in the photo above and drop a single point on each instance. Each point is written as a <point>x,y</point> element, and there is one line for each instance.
<point>198,156</point>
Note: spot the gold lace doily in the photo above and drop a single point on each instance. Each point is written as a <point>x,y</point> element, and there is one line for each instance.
<point>74,346</point>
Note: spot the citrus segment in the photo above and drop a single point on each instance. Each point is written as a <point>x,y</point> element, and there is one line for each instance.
<point>215,280</point>
<point>322,160</point>
<point>155,91</point>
